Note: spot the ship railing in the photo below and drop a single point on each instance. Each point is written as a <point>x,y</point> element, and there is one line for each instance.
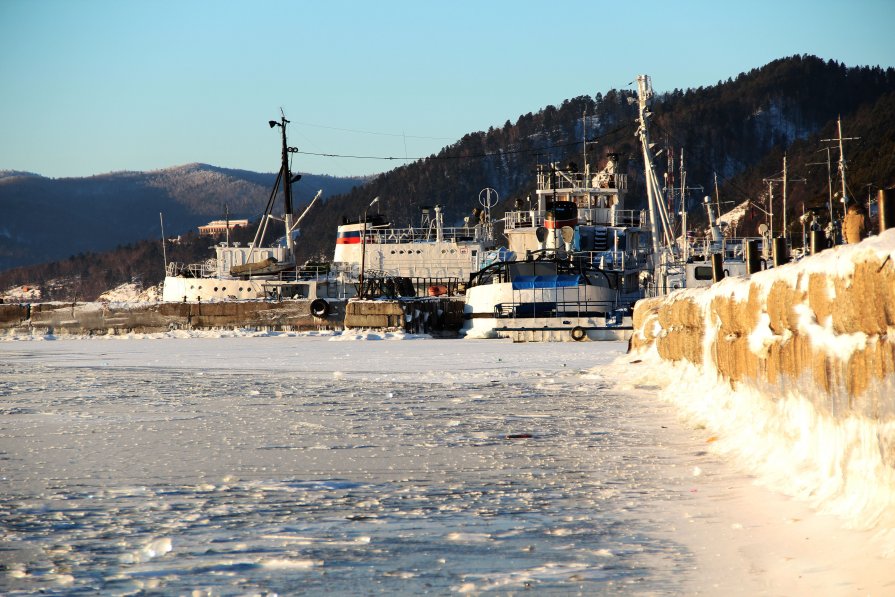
<point>552,308</point>
<point>595,181</point>
<point>587,216</point>
<point>380,285</point>
<point>305,273</point>
<point>190,270</point>
<point>389,236</point>
<point>613,260</point>
<point>523,219</point>
<point>733,248</point>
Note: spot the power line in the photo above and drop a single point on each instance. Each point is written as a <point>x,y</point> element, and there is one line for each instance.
<point>469,156</point>
<point>335,128</point>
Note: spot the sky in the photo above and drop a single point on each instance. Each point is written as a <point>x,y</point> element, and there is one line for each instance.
<point>97,86</point>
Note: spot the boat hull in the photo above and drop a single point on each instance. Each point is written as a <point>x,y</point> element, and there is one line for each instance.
<point>550,313</point>
<point>552,329</point>
<point>192,290</point>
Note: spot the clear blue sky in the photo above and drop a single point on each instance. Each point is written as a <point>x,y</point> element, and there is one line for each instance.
<point>94,86</point>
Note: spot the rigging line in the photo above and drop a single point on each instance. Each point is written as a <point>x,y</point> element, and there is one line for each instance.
<point>470,156</point>
<point>333,163</point>
<point>335,128</point>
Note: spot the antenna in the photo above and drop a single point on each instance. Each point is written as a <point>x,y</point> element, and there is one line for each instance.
<point>227,222</point>
<point>164,251</point>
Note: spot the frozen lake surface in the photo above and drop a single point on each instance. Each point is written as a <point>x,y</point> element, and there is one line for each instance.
<point>310,464</point>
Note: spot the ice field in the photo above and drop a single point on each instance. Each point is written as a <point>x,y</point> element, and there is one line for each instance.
<point>369,464</point>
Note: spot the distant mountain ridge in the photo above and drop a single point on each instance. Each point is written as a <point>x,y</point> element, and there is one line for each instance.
<point>44,219</point>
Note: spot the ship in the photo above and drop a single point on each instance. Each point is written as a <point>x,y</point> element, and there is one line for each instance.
<point>381,258</point>
<point>574,262</point>
<point>373,257</point>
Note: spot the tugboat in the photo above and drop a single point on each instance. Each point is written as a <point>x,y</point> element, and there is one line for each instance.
<point>574,263</point>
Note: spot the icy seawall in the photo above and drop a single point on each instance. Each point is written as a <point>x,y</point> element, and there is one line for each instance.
<point>822,329</point>
<point>793,373</point>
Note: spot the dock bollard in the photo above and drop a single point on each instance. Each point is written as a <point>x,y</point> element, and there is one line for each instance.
<point>717,267</point>
<point>753,257</point>
<point>886,209</point>
<point>780,256</point>
<point>818,242</point>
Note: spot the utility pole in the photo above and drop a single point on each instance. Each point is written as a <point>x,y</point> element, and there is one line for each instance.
<point>842,161</point>
<point>785,180</point>
<point>829,179</point>
<point>785,229</point>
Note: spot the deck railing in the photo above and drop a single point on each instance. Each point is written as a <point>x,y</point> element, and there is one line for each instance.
<point>587,216</point>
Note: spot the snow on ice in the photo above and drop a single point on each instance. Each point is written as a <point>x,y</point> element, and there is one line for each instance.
<point>262,463</point>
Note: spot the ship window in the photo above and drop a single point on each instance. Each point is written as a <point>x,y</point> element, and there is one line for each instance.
<point>418,251</point>
<point>393,251</point>
<point>240,288</point>
<point>215,288</point>
<point>702,272</point>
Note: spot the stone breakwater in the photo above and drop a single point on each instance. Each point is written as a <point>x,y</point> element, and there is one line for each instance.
<point>822,329</point>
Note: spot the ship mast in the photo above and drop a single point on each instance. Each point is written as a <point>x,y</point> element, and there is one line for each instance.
<point>287,186</point>
<point>658,213</point>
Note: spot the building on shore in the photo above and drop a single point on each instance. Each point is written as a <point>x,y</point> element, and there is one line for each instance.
<point>216,227</point>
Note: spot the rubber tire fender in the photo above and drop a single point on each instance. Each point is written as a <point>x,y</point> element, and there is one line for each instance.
<point>319,308</point>
<point>578,333</point>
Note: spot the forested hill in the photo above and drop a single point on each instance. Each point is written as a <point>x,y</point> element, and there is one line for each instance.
<point>739,129</point>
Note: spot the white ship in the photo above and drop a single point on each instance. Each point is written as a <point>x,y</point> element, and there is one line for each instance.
<point>375,253</point>
<point>254,271</point>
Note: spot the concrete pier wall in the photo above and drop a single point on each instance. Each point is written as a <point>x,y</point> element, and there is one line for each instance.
<point>440,316</point>
<point>823,328</point>
<point>97,318</point>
